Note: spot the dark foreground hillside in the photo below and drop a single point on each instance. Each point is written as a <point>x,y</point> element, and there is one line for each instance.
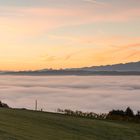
<point>29,125</point>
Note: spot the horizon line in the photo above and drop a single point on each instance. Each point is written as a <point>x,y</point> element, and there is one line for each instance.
<point>69,67</point>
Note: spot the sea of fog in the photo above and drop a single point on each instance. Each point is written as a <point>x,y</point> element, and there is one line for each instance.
<point>86,93</point>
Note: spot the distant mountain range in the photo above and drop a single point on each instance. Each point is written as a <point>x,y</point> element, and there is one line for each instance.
<point>132,68</point>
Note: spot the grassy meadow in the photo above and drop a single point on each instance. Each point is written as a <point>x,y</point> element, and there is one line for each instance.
<point>31,125</point>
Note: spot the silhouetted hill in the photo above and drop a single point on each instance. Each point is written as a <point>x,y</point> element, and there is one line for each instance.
<point>133,66</point>
<point>118,69</point>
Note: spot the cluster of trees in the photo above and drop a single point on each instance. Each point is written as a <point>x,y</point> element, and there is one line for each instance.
<point>3,105</point>
<point>82,114</point>
<point>127,115</point>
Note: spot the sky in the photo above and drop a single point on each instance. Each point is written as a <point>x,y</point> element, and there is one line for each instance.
<point>38,34</point>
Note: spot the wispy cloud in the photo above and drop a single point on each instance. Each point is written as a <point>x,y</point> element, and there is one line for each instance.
<point>133,54</point>
<point>31,20</point>
<point>95,2</point>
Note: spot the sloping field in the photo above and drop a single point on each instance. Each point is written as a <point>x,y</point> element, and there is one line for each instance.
<point>30,125</point>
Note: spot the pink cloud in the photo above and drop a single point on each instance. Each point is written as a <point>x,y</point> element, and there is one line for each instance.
<point>35,21</point>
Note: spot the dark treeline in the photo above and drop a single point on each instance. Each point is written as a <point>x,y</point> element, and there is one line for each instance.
<point>3,105</point>
<point>82,114</point>
<point>70,72</point>
<point>127,115</point>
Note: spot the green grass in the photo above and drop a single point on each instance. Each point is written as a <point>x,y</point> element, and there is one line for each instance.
<point>30,125</point>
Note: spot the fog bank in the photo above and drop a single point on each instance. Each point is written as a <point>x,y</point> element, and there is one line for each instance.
<point>86,93</point>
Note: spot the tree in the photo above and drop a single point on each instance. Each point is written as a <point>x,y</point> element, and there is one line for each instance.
<point>138,113</point>
<point>1,104</point>
<point>116,112</point>
<point>129,112</point>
